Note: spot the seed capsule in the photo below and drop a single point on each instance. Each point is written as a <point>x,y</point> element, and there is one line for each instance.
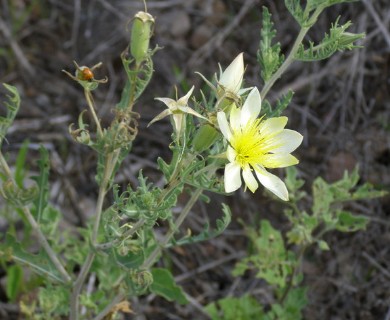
<point>84,74</point>
<point>140,35</point>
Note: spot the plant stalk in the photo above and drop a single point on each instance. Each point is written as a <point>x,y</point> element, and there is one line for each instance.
<point>291,57</point>
<point>77,286</point>
<point>186,210</point>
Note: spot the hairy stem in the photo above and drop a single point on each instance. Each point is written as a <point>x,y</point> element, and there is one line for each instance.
<point>291,57</point>
<point>78,284</point>
<point>88,97</point>
<point>118,298</point>
<point>186,210</point>
<point>41,237</point>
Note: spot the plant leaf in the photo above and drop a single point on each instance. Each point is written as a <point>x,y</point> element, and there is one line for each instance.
<point>12,105</point>
<point>39,262</point>
<point>14,282</point>
<point>164,285</point>
<point>42,182</point>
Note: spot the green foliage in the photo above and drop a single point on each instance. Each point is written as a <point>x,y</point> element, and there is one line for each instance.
<point>12,105</point>
<point>294,7</point>
<point>54,301</point>
<point>164,285</point>
<point>242,308</point>
<point>18,196</point>
<point>42,181</point>
<point>281,105</point>
<point>308,16</point>
<point>273,262</point>
<point>313,4</point>
<point>328,212</point>
<point>207,234</point>
<point>14,282</point>
<point>20,164</point>
<point>336,40</point>
<point>137,79</point>
<point>291,308</point>
<point>268,55</point>
<point>118,248</point>
<point>11,249</point>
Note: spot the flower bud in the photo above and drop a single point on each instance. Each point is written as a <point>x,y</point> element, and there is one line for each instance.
<point>204,138</point>
<point>230,80</point>
<point>140,36</point>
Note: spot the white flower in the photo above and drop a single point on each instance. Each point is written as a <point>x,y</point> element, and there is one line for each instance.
<point>256,144</point>
<point>231,79</point>
<point>177,108</point>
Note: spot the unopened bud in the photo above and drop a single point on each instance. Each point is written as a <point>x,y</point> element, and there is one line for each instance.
<point>204,138</point>
<point>140,35</point>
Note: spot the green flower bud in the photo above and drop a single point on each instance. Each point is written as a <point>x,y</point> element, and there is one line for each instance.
<point>204,138</point>
<point>140,36</point>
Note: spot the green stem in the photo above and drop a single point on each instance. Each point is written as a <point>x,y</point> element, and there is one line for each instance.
<point>186,210</point>
<point>293,273</point>
<point>128,234</point>
<point>118,298</point>
<point>291,57</point>
<point>88,97</point>
<point>286,63</point>
<point>35,226</point>
<point>108,170</point>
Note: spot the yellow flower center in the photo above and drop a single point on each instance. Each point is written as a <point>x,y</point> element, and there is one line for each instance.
<point>249,144</point>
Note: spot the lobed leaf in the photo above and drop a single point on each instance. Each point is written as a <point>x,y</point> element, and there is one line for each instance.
<point>12,104</point>
<point>42,181</point>
<point>269,56</point>
<point>164,285</point>
<point>39,262</point>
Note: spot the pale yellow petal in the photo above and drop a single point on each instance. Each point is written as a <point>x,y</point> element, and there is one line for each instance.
<point>191,111</point>
<point>251,108</point>
<point>231,78</point>
<point>183,101</point>
<point>224,125</point>
<point>161,115</point>
<point>232,177</point>
<point>278,160</point>
<point>285,142</point>
<point>235,118</point>
<point>273,126</point>
<point>170,103</point>
<point>249,179</point>
<point>178,119</point>
<point>272,183</point>
<point>231,154</point>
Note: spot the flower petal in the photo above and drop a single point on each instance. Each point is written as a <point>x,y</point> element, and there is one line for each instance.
<point>285,142</point>
<point>231,154</point>
<point>249,179</point>
<point>223,125</point>
<point>231,78</point>
<point>191,111</point>
<point>235,116</point>
<point>251,108</point>
<point>272,183</point>
<point>161,115</point>
<point>232,177</point>
<point>278,160</point>
<point>178,119</point>
<point>273,126</point>
<point>170,103</point>
<point>184,100</point>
